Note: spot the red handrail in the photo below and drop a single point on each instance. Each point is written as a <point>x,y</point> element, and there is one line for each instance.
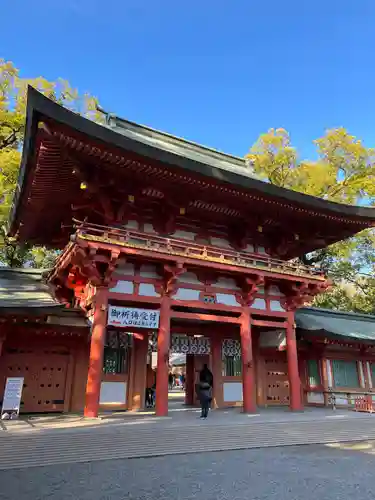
<point>190,249</point>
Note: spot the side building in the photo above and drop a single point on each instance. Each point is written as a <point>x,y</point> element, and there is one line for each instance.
<point>170,246</point>
<point>49,346</point>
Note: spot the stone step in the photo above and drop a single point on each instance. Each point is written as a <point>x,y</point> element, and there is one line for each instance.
<point>40,448</point>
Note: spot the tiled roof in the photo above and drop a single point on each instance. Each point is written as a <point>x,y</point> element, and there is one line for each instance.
<point>25,288</point>
<point>337,323</point>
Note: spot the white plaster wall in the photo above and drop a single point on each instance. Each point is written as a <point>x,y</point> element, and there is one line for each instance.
<point>184,235</point>
<point>258,304</point>
<point>132,224</point>
<point>274,290</point>
<point>342,400</point>
<point>227,283</point>
<point>113,393</point>
<point>190,278</point>
<point>276,306</point>
<point>187,294</point>
<point>249,248</point>
<point>126,268</point>
<point>232,391</point>
<point>149,228</point>
<point>123,287</point>
<point>148,271</point>
<point>227,299</point>
<point>220,242</point>
<point>148,290</point>
<point>315,397</point>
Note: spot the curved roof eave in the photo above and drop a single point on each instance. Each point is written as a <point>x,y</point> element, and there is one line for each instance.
<point>39,106</point>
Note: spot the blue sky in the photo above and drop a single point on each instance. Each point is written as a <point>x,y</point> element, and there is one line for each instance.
<point>216,72</point>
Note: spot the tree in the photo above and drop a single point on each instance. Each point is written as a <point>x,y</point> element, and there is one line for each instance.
<point>345,173</point>
<point>13,92</point>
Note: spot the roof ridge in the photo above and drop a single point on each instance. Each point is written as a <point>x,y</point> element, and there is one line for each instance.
<point>337,313</point>
<point>175,137</point>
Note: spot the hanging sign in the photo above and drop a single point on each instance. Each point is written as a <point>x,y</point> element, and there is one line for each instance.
<point>130,316</point>
<point>12,398</point>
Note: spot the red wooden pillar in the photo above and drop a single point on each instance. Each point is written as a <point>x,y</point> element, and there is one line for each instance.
<point>2,341</point>
<point>138,371</point>
<point>189,380</point>
<point>94,376</point>
<point>325,383</point>
<point>293,373</point>
<point>247,363</point>
<point>164,338</point>
<point>216,368</point>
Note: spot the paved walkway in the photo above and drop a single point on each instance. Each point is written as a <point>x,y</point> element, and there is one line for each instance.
<point>176,418</point>
<point>288,473</point>
<point>71,439</point>
<point>179,416</point>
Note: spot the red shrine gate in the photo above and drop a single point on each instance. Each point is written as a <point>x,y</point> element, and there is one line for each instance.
<point>181,230</point>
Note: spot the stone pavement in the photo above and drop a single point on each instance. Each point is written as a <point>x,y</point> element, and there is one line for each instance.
<point>53,440</point>
<point>287,473</point>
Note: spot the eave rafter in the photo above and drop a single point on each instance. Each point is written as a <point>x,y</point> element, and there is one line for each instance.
<point>301,293</point>
<point>105,162</point>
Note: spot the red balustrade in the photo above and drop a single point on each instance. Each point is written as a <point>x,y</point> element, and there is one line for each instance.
<point>190,249</point>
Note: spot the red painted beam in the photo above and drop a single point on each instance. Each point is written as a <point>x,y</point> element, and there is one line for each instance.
<point>204,317</point>
<point>270,324</point>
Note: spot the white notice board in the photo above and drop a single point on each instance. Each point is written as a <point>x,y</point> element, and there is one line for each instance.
<point>12,397</point>
<point>131,316</point>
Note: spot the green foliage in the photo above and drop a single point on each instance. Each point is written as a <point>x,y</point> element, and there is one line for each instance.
<point>13,97</point>
<point>344,173</point>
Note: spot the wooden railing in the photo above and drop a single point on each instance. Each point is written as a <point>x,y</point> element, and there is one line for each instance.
<point>191,250</point>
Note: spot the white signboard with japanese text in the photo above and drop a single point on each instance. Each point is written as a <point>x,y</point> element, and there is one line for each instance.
<point>12,398</point>
<point>130,316</point>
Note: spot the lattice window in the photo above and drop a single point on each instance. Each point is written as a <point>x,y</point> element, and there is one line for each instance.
<point>345,373</point>
<point>231,347</point>
<point>313,373</point>
<point>184,344</point>
<point>115,360</point>
<point>232,366</point>
<point>152,342</point>
<point>116,352</point>
<point>231,356</point>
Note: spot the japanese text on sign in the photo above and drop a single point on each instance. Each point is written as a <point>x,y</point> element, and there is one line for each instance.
<point>12,397</point>
<point>128,316</point>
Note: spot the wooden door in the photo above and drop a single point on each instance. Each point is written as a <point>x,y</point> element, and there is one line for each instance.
<point>276,381</point>
<point>44,373</point>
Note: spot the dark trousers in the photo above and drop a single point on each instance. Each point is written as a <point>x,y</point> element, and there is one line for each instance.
<point>205,404</point>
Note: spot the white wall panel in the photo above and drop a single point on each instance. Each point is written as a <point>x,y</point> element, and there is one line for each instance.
<point>232,391</point>
<point>113,393</point>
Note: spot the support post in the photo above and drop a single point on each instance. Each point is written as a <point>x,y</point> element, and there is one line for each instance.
<point>247,363</point>
<point>164,338</point>
<point>189,380</point>
<point>216,368</point>
<point>2,341</point>
<point>138,372</point>
<point>323,365</point>
<point>94,376</point>
<point>293,372</point>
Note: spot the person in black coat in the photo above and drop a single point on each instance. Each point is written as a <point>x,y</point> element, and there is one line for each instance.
<point>205,390</point>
